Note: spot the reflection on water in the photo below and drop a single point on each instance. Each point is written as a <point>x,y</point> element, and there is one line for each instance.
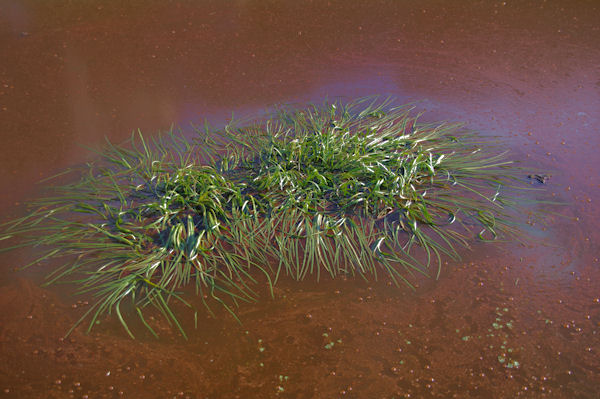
<point>513,320</point>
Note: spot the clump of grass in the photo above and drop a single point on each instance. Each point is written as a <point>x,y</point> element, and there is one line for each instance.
<point>142,223</point>
<point>363,187</point>
<point>356,189</point>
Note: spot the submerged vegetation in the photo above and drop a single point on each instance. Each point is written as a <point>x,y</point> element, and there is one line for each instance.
<point>358,189</point>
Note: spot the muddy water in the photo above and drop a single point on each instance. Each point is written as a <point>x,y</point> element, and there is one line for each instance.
<point>72,73</point>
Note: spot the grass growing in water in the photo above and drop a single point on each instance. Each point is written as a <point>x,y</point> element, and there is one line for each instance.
<point>356,189</point>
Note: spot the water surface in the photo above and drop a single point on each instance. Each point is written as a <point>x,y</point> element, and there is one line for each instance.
<point>73,73</point>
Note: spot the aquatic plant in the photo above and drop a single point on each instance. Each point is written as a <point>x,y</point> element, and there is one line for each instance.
<point>142,223</point>
<point>357,189</point>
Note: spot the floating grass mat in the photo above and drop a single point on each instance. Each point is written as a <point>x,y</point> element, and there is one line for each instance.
<point>360,189</point>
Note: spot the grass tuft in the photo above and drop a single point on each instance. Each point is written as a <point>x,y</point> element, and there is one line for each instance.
<point>360,189</point>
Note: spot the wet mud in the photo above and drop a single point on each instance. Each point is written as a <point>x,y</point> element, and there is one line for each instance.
<point>518,319</point>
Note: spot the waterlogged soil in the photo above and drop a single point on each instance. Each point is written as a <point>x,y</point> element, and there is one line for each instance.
<point>517,319</point>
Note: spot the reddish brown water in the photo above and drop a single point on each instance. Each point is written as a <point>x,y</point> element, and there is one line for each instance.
<point>74,72</point>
